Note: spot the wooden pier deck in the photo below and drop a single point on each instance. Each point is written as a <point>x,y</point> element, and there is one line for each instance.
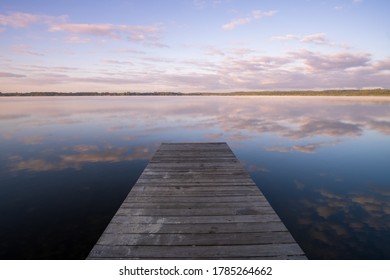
<point>195,201</point>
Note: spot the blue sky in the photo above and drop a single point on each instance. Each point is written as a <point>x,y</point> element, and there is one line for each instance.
<point>193,45</point>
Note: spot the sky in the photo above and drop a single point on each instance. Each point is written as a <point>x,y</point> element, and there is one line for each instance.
<point>193,45</point>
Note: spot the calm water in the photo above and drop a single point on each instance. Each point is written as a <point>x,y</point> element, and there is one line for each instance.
<point>67,163</point>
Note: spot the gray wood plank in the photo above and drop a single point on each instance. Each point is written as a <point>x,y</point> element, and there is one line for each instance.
<point>195,193</point>
<point>227,227</point>
<point>190,188</point>
<point>195,239</point>
<point>195,205</point>
<point>265,250</point>
<point>194,183</point>
<point>196,219</point>
<point>184,199</point>
<point>180,211</point>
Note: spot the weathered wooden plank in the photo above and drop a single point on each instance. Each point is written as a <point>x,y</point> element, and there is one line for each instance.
<point>193,212</point>
<point>195,205</point>
<point>213,157</point>
<point>180,170</point>
<point>194,165</point>
<point>195,239</point>
<point>211,185</point>
<point>197,181</point>
<point>194,146</point>
<point>195,193</point>
<point>192,199</point>
<point>194,153</point>
<point>198,176</point>
<point>198,158</point>
<point>203,162</point>
<point>196,219</point>
<point>295,257</point>
<point>202,171</point>
<point>195,201</point>
<point>264,250</point>
<point>189,188</point>
<point>227,227</point>
<point>230,164</point>
<point>167,179</point>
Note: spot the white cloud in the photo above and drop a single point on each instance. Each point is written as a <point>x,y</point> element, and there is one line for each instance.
<point>317,39</point>
<point>113,61</point>
<point>132,33</point>
<point>18,20</point>
<point>215,51</point>
<point>289,37</point>
<point>24,49</point>
<point>77,39</point>
<point>148,34</point>
<point>23,20</point>
<point>317,61</point>
<point>10,75</point>
<point>255,15</point>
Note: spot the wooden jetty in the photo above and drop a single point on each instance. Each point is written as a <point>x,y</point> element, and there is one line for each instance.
<point>195,201</point>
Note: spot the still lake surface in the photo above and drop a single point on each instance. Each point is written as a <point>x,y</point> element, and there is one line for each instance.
<point>67,163</point>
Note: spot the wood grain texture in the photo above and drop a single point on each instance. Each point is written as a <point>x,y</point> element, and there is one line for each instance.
<point>195,201</point>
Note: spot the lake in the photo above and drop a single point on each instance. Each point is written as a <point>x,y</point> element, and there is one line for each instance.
<point>67,163</point>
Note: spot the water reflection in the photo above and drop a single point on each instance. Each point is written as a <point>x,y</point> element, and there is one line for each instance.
<point>359,218</point>
<point>322,163</point>
<point>80,155</point>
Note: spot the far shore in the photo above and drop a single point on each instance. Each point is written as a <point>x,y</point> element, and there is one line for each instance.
<point>352,92</point>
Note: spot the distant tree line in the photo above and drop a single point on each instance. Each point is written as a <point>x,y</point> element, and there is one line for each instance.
<point>332,92</point>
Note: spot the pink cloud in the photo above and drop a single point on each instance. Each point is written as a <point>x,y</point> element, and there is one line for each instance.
<point>255,15</point>
<point>214,51</point>
<point>241,51</point>
<point>136,33</point>
<point>113,61</point>
<point>77,40</point>
<point>382,65</point>
<point>90,29</point>
<point>288,37</point>
<point>317,39</point>
<point>131,51</point>
<point>23,20</point>
<point>234,23</point>
<point>18,20</point>
<point>132,33</point>
<point>10,75</point>
<point>24,49</point>
<point>338,61</point>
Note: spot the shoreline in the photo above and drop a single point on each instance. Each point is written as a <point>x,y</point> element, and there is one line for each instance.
<point>369,92</point>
